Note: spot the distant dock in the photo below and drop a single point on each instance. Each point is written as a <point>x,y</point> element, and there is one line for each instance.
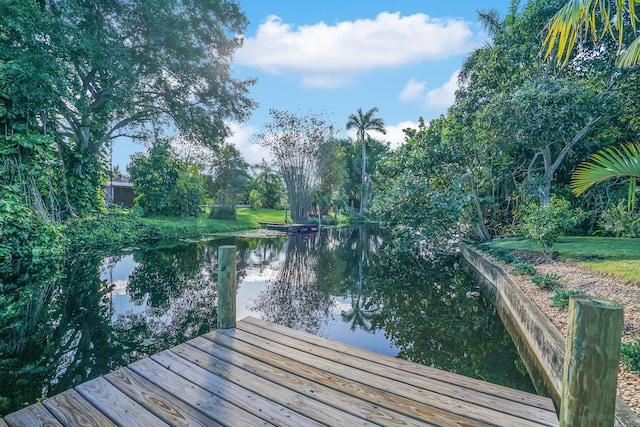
<point>290,228</point>
<point>263,374</point>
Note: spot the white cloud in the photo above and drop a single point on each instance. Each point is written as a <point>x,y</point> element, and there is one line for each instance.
<point>412,90</point>
<point>325,82</point>
<point>342,50</point>
<point>441,97</point>
<point>353,134</point>
<point>445,95</point>
<point>243,139</point>
<point>395,135</point>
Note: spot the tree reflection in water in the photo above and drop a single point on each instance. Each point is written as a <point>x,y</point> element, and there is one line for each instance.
<point>296,299</point>
<point>68,326</point>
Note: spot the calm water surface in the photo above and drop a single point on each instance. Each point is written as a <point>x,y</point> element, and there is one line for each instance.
<point>347,285</point>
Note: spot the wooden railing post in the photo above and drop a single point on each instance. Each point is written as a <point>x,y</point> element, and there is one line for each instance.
<point>226,287</point>
<point>591,359</point>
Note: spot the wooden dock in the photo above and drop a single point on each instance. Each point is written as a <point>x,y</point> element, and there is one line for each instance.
<point>264,374</point>
<point>290,228</point>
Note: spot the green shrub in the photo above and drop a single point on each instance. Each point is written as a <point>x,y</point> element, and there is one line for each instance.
<point>254,199</point>
<point>630,353</point>
<point>546,281</point>
<point>619,222</point>
<point>545,225</point>
<point>524,268</point>
<point>500,254</point>
<point>482,246</point>
<point>223,212</point>
<point>561,297</point>
<point>187,197</point>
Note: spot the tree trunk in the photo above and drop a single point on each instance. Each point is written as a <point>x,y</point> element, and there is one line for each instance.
<point>363,188</point>
<point>481,227</point>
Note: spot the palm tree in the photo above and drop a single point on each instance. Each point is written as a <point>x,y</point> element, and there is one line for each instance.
<point>364,122</point>
<point>606,164</point>
<point>595,18</point>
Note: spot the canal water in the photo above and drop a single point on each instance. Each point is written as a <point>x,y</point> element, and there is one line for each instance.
<point>348,285</point>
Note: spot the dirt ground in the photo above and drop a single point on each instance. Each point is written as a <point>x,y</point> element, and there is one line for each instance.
<point>575,276</point>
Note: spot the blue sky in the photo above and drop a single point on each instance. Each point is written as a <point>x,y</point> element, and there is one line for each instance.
<point>337,56</point>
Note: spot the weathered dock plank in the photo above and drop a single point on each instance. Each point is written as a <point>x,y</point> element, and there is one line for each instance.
<point>263,374</point>
<point>206,402</point>
<point>158,401</point>
<point>34,415</point>
<point>480,406</point>
<point>402,365</point>
<point>327,387</point>
<point>116,405</point>
<point>283,405</point>
<point>71,409</point>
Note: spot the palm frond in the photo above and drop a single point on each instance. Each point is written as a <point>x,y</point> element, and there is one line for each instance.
<point>565,26</point>
<point>630,57</point>
<point>606,164</point>
<point>597,18</point>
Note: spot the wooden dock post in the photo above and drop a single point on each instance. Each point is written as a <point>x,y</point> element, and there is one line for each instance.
<point>591,361</point>
<point>226,287</point>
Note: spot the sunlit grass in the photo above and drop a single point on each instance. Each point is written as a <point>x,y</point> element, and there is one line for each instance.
<point>246,219</point>
<point>251,217</point>
<point>190,227</point>
<point>615,256</point>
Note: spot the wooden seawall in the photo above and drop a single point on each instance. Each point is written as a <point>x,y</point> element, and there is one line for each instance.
<point>261,373</point>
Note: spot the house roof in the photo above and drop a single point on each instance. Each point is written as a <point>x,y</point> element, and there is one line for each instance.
<point>118,181</point>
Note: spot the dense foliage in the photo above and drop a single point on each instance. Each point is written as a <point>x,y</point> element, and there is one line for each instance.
<point>545,224</point>
<point>420,188</point>
<point>267,188</point>
<point>163,184</point>
<point>230,177</point>
<point>517,130</point>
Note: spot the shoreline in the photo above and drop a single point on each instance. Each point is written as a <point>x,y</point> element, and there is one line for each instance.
<point>574,276</point>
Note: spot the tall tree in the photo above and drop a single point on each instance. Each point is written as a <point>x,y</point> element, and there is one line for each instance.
<point>420,189</point>
<point>546,118</point>
<point>269,186</point>
<point>295,143</point>
<point>128,66</point>
<point>363,123</point>
<point>230,176</point>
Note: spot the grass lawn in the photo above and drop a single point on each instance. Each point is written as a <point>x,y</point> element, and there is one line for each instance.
<point>246,218</point>
<point>250,217</point>
<point>616,256</point>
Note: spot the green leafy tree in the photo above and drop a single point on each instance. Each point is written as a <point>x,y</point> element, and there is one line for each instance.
<point>269,187</point>
<point>363,123</point>
<point>154,176</point>
<point>546,118</point>
<point>495,167</point>
<point>120,68</point>
<point>188,196</point>
<point>163,184</point>
<point>420,188</point>
<point>230,177</point>
<point>546,224</point>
